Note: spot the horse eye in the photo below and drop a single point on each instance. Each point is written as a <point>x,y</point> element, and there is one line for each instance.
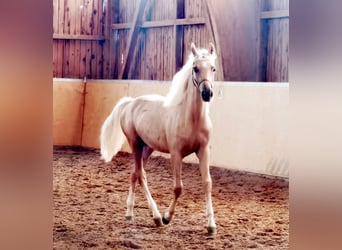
<point>196,69</point>
<point>213,69</point>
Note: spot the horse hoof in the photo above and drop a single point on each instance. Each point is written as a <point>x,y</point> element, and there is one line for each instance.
<point>158,222</point>
<point>165,221</point>
<point>211,230</point>
<point>129,217</point>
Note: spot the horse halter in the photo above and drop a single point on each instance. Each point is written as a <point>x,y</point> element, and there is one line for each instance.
<point>194,81</point>
<point>198,84</point>
<point>205,92</point>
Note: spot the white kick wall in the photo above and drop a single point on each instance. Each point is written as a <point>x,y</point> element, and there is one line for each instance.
<point>250,119</point>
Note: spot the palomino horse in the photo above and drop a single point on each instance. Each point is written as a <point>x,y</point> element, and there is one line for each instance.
<point>178,124</point>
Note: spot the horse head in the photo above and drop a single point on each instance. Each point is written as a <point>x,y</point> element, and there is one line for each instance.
<point>203,71</point>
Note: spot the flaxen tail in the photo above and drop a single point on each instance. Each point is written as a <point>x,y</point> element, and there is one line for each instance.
<point>112,138</point>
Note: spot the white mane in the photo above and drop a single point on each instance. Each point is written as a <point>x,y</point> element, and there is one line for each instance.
<point>177,90</point>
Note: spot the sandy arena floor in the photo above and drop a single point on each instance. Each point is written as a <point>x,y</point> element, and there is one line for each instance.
<point>251,211</point>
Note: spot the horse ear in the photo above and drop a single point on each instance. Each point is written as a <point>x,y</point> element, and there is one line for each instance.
<point>212,49</point>
<point>194,49</point>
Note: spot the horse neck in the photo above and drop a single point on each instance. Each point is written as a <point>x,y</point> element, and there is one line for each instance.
<point>195,108</point>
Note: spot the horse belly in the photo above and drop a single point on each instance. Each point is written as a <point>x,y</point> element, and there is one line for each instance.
<point>153,135</point>
<point>149,125</point>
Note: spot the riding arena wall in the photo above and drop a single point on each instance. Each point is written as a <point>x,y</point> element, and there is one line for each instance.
<point>250,120</point>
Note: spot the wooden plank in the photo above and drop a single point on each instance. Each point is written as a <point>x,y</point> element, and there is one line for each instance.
<point>83,58</point>
<point>107,13</point>
<point>163,23</point>
<point>84,18</point>
<point>121,26</point>
<point>88,59</point>
<point>179,36</point>
<point>55,16</point>
<point>213,29</point>
<point>99,45</point>
<point>71,59</point>
<point>93,59</point>
<point>262,57</point>
<point>91,24</point>
<point>60,17</point>
<point>113,35</point>
<point>278,41</point>
<point>66,69</point>
<point>66,17</point>
<point>134,63</point>
<point>77,59</point>
<point>77,15</point>
<point>128,56</point>
<point>274,14</point>
<point>97,12</point>
<point>260,42</point>
<point>72,17</point>
<point>99,56</point>
<point>60,47</point>
<point>79,37</point>
<point>54,59</point>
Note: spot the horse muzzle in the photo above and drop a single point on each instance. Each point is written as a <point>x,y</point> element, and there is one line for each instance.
<point>206,91</point>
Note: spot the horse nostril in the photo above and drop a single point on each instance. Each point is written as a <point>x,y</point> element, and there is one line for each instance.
<point>206,95</point>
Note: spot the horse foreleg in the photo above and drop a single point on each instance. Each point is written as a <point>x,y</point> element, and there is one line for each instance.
<point>203,156</point>
<point>176,164</point>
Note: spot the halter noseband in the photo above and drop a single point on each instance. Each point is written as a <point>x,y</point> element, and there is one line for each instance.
<point>196,83</point>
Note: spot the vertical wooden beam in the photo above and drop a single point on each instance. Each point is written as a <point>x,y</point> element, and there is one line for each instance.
<point>132,38</point>
<point>55,4</point>
<point>258,41</point>
<point>114,54</point>
<point>179,35</point>
<point>78,58</point>
<point>111,51</point>
<point>214,32</point>
<point>262,53</point>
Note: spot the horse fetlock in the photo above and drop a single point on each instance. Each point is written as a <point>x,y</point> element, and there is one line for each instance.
<point>211,225</point>
<point>165,221</point>
<point>129,217</point>
<point>167,218</point>
<point>129,213</point>
<point>211,230</point>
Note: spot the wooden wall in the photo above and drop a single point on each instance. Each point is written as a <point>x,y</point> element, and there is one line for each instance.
<point>79,39</point>
<point>154,57</point>
<point>237,23</point>
<point>94,38</point>
<point>274,38</point>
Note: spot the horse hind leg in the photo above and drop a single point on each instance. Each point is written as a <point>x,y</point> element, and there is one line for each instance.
<point>147,151</point>
<point>141,155</point>
<point>131,196</point>
<point>176,164</point>
<point>135,177</point>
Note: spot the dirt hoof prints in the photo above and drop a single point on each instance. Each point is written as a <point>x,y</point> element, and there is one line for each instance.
<point>251,211</point>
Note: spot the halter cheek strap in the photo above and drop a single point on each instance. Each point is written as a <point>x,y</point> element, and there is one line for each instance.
<point>197,84</point>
